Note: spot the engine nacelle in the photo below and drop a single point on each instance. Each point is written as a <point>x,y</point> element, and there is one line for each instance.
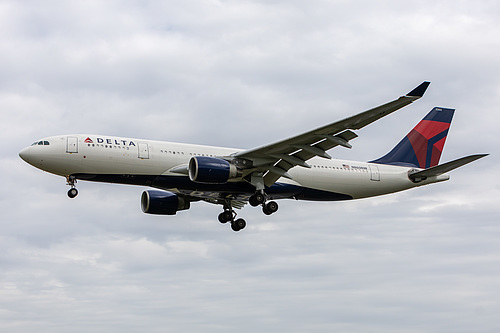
<point>162,203</point>
<point>211,170</point>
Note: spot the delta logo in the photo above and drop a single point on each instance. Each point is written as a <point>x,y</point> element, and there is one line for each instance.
<point>111,141</point>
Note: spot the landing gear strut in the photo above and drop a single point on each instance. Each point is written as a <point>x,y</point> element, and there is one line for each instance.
<point>73,192</point>
<point>229,215</point>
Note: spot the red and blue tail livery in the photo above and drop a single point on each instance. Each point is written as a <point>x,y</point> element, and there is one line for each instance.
<point>422,147</point>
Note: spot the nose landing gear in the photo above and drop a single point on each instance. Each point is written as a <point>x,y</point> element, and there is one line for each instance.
<point>73,192</point>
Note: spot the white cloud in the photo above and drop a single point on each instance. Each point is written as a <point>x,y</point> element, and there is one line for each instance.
<point>244,73</point>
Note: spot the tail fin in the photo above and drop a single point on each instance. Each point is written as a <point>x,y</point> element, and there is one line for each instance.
<point>422,147</point>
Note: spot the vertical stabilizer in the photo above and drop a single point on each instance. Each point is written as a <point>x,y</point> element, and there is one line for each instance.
<point>422,147</point>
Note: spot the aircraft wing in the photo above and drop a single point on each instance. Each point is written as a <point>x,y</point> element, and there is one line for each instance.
<point>274,160</point>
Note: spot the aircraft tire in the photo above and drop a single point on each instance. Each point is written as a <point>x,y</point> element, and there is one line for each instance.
<point>270,208</point>
<point>256,199</point>
<point>238,224</point>
<point>73,192</point>
<point>222,218</point>
<point>225,216</point>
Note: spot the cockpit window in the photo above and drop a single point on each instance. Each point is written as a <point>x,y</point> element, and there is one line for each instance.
<point>40,143</point>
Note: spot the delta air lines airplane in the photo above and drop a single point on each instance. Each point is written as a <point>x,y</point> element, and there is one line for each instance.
<point>295,168</point>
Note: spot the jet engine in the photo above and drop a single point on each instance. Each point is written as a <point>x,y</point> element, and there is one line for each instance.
<point>211,170</point>
<point>162,202</point>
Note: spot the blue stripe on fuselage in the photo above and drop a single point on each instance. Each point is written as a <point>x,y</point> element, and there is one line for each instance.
<point>236,190</point>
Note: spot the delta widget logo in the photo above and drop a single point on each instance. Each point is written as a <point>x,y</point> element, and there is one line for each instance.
<point>111,141</point>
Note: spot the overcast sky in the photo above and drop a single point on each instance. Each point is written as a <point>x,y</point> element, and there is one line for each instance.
<point>243,74</point>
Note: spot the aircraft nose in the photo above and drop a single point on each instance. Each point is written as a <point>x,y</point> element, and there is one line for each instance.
<point>25,154</point>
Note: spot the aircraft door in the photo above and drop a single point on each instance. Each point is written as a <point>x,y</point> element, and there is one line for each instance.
<point>374,173</point>
<point>143,151</point>
<point>72,144</point>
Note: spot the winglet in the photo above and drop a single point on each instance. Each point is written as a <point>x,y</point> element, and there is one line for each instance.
<point>420,90</point>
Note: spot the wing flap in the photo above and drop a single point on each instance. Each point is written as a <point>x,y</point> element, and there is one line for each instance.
<point>302,154</point>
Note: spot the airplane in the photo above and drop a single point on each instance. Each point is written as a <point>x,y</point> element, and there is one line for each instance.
<point>298,167</point>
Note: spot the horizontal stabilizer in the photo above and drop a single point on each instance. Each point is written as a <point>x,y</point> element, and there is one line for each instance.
<point>443,168</point>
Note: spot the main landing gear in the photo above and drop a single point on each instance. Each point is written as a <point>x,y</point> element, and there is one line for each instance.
<point>73,192</point>
<point>259,198</point>
<point>229,215</point>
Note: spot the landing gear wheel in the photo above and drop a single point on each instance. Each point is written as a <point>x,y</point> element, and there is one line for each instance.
<point>229,215</point>
<point>71,180</point>
<point>225,216</point>
<point>270,208</point>
<point>73,192</point>
<point>257,199</point>
<point>238,224</point>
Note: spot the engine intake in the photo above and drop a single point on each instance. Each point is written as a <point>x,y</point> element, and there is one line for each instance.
<point>162,203</point>
<point>211,170</point>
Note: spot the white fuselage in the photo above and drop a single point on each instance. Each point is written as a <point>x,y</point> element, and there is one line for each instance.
<point>125,157</point>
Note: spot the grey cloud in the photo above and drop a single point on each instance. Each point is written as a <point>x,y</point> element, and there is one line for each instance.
<point>243,74</point>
